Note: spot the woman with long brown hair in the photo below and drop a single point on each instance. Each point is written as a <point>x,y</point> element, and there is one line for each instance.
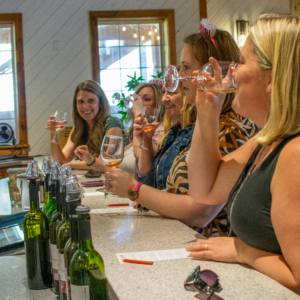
<point>92,121</point>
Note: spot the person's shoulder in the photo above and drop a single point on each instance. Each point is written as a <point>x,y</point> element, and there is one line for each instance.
<point>113,122</point>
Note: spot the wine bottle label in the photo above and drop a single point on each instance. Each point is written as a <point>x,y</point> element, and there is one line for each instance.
<point>80,292</point>
<point>61,272</point>
<point>55,274</point>
<point>54,255</point>
<point>62,285</point>
<point>68,285</point>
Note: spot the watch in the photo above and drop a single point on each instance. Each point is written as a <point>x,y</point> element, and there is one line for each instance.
<point>133,193</point>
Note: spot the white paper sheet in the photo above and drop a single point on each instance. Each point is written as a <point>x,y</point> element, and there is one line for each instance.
<point>112,210</point>
<point>154,255</point>
<point>94,194</point>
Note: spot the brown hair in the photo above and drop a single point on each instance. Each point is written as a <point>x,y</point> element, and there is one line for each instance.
<point>80,132</point>
<point>226,49</point>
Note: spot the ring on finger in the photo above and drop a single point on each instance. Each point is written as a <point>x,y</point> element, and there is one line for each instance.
<point>206,247</point>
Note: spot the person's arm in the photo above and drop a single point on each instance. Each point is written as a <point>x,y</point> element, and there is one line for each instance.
<point>180,207</point>
<point>217,175</point>
<point>285,190</point>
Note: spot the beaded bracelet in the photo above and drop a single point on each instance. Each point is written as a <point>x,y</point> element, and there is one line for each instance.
<point>91,162</point>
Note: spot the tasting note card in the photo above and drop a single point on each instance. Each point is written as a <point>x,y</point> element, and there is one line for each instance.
<point>154,255</point>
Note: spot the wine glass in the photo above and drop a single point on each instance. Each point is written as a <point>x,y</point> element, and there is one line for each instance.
<point>150,116</point>
<point>60,117</point>
<point>213,77</point>
<point>127,101</point>
<point>112,151</point>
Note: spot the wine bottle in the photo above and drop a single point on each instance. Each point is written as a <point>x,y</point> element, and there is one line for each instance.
<point>54,184</point>
<point>73,199</point>
<point>63,232</point>
<point>55,219</point>
<point>46,170</point>
<point>87,272</point>
<point>36,238</point>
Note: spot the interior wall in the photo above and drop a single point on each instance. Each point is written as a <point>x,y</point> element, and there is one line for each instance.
<point>57,49</point>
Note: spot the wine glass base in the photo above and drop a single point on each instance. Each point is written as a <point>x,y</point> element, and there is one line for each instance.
<point>54,141</point>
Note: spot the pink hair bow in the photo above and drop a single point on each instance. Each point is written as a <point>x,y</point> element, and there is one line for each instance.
<point>208,28</point>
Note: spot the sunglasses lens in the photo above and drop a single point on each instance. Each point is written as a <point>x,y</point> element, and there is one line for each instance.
<point>190,287</point>
<point>209,277</point>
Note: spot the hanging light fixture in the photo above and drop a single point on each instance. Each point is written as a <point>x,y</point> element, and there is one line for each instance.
<point>135,35</point>
<point>123,28</point>
<point>155,29</point>
<point>242,30</point>
<point>150,32</point>
<point>158,37</point>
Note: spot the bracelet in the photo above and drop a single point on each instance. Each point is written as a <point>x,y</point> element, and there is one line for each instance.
<point>91,162</point>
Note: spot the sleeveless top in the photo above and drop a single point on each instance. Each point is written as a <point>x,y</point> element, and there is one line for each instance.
<point>250,200</point>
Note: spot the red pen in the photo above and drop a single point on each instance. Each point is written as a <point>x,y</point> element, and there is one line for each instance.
<point>142,262</point>
<point>119,204</point>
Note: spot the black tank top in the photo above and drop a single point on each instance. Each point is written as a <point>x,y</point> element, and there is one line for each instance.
<point>249,210</point>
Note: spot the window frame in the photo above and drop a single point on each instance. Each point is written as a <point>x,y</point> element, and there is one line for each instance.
<point>166,16</point>
<point>22,147</point>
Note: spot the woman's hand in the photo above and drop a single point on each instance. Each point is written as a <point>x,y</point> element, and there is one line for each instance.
<point>139,133</point>
<point>137,105</point>
<point>224,249</point>
<point>118,182</point>
<point>83,153</point>
<point>52,123</point>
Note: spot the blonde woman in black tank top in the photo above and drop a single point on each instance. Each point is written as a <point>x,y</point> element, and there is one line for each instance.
<point>260,180</point>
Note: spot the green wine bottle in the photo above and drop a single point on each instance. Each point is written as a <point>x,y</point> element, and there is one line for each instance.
<point>87,272</point>
<point>36,237</point>
<point>53,182</point>
<point>63,232</point>
<point>55,219</point>
<point>73,199</point>
<point>46,170</point>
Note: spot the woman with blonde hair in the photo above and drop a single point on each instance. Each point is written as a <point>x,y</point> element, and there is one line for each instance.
<point>259,181</point>
<point>92,121</point>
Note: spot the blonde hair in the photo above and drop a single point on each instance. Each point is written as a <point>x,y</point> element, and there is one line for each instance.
<point>160,107</point>
<point>226,49</point>
<point>188,111</point>
<point>276,44</point>
<point>81,129</point>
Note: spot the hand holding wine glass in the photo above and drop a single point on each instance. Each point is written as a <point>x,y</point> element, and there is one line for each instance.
<point>58,122</point>
<point>112,152</point>
<point>148,119</point>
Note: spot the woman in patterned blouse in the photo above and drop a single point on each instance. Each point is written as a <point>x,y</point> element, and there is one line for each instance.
<point>234,131</point>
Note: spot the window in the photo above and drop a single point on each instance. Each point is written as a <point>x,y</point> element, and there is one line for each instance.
<point>128,42</point>
<point>13,125</point>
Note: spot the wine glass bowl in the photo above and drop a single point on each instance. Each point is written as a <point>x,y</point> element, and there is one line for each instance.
<point>213,77</point>
<point>116,97</point>
<point>60,117</point>
<point>149,115</point>
<point>112,151</point>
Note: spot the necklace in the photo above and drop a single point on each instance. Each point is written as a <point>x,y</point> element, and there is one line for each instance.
<point>256,161</point>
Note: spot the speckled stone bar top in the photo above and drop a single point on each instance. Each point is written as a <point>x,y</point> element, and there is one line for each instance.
<point>132,232</point>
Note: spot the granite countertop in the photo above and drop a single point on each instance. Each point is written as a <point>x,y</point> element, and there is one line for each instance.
<point>133,232</point>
